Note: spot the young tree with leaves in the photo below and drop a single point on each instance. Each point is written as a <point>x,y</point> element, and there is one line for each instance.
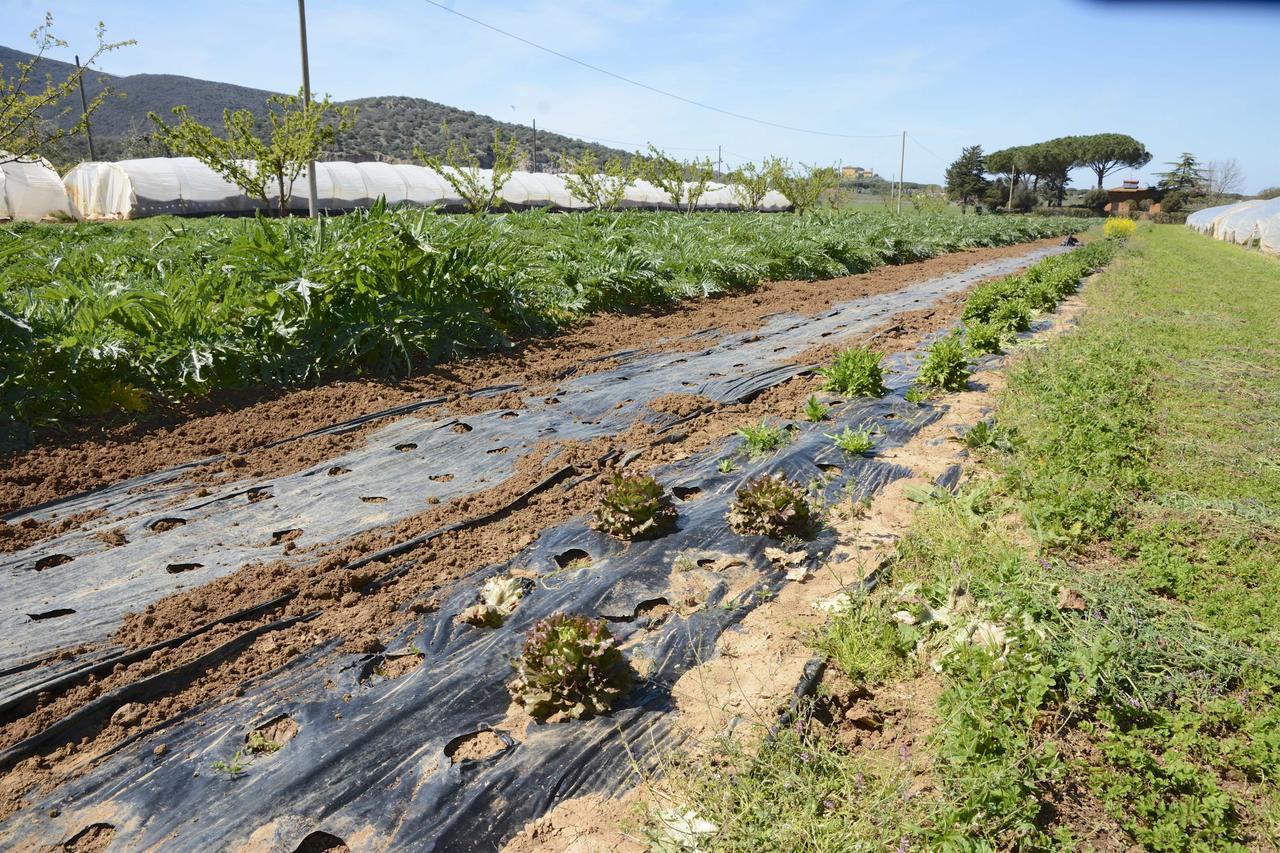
<point>966,176</point>
<point>602,188</point>
<point>461,168</point>
<point>297,134</point>
<point>665,173</point>
<point>31,112</point>
<point>750,184</point>
<point>802,186</point>
<point>698,173</point>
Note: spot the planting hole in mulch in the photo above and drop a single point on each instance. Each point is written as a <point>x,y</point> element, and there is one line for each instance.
<point>406,447</point>
<point>282,536</point>
<point>474,746</point>
<point>160,525</point>
<point>574,558</point>
<point>255,495</point>
<point>338,471</point>
<point>51,614</point>
<point>274,733</point>
<point>179,568</point>
<point>391,666</point>
<point>687,493</point>
<point>91,839</point>
<point>50,561</point>
<point>460,427</point>
<point>322,842</point>
<point>373,499</point>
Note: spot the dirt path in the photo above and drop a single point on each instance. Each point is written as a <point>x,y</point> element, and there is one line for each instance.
<point>91,457</point>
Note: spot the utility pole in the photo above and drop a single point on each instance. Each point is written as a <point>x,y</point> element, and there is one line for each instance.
<point>306,107</point>
<point>533,164</point>
<point>719,170</point>
<point>902,164</point>
<point>84,107</point>
<point>1013,182</point>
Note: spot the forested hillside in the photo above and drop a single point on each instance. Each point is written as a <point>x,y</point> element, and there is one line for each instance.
<point>388,127</point>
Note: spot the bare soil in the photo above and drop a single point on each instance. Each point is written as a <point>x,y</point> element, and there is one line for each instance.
<point>93,455</point>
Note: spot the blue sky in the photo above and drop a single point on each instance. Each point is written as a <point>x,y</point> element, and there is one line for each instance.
<point>1198,77</point>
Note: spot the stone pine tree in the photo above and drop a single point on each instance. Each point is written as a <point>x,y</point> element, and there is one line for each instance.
<point>966,178</point>
<point>1105,153</point>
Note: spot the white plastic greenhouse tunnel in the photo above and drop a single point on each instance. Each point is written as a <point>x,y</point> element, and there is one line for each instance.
<point>1246,223</point>
<point>30,190</point>
<point>183,186</point>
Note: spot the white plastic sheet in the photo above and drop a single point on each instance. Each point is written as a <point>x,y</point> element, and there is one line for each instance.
<point>1247,223</point>
<point>183,186</point>
<point>130,189</point>
<point>30,190</point>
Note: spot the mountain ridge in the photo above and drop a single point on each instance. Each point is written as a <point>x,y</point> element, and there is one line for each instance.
<point>388,127</point>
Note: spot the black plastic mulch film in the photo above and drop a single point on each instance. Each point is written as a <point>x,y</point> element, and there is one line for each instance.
<point>370,762</point>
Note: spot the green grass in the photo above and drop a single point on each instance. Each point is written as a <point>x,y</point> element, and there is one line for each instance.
<point>1102,608</point>
<point>102,318</point>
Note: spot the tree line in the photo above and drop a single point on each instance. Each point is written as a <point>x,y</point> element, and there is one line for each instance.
<point>1026,174</point>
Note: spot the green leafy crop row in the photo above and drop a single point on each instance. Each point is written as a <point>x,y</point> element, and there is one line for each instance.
<point>107,317</point>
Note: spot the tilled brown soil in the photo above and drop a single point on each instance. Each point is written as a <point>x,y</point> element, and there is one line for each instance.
<point>346,603</point>
<point>91,456</point>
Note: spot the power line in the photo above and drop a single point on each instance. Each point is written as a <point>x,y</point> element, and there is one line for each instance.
<point>635,145</point>
<point>649,88</point>
<point>922,145</point>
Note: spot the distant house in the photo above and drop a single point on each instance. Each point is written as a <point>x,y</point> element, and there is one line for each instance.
<point>1125,199</point>
<point>856,172</point>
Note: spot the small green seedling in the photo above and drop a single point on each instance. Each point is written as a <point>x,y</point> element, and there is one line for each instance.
<point>855,372</point>
<point>983,338</point>
<point>1011,316</point>
<point>814,410</point>
<point>946,366</point>
<point>762,439</point>
<point>916,395</point>
<point>726,466</point>
<point>232,767</point>
<point>981,436</point>
<point>258,744</point>
<point>853,441</point>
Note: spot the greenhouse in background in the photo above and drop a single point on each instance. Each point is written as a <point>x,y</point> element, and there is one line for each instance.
<point>1247,223</point>
<point>30,190</point>
<point>183,186</point>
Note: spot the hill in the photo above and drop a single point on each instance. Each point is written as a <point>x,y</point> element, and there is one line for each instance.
<point>388,127</point>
